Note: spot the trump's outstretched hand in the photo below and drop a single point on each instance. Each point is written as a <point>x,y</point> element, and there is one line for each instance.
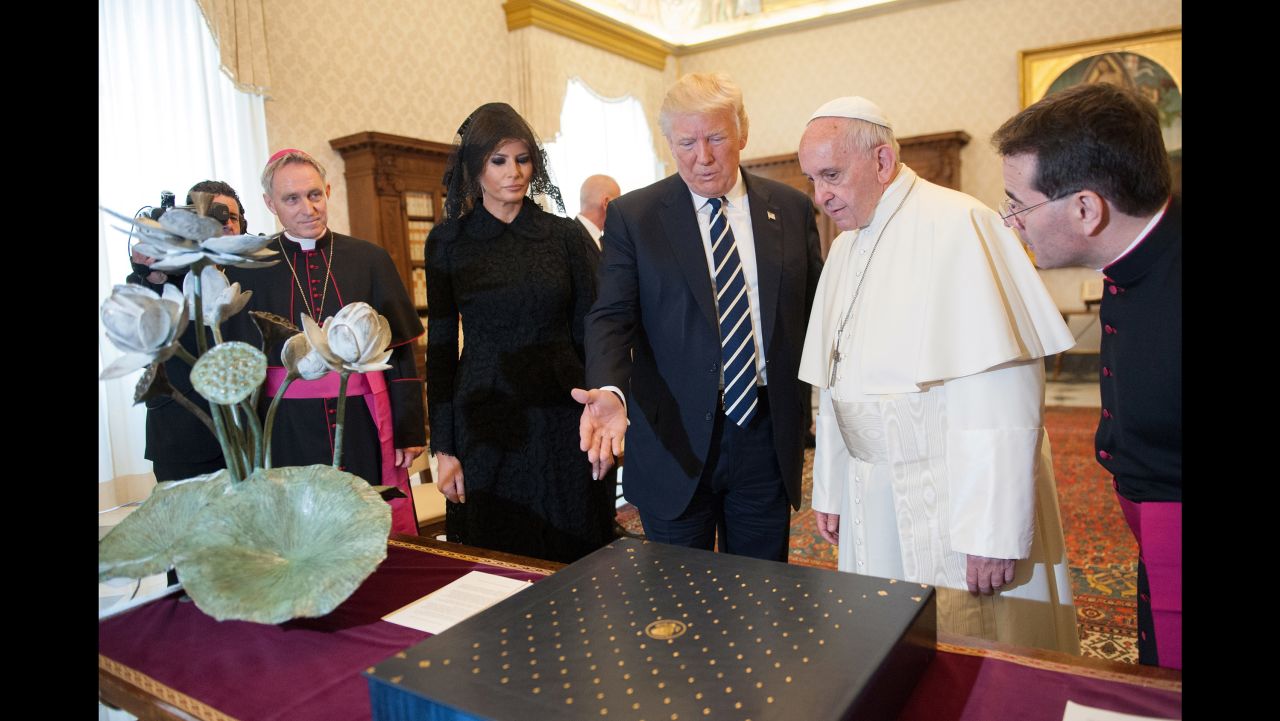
<point>602,429</point>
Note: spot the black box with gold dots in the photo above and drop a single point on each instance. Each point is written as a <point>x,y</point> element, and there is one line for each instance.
<point>651,632</point>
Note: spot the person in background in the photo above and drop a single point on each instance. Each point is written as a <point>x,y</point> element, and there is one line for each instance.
<point>1088,182</point>
<point>320,272</point>
<point>179,445</point>
<point>504,429</point>
<point>596,193</point>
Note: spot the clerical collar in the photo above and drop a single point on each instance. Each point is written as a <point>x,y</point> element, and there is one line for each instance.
<point>736,196</point>
<point>1141,236</point>
<point>307,244</point>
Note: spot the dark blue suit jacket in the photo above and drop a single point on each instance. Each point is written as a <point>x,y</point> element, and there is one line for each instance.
<point>653,332</point>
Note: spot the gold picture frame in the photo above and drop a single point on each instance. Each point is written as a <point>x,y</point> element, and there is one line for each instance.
<point>1038,69</point>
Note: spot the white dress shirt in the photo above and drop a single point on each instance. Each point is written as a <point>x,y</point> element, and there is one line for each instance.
<point>737,210</point>
<point>592,230</point>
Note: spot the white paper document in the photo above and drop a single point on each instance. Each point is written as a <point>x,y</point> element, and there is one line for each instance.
<point>1080,712</point>
<point>456,602</point>
<point>116,595</point>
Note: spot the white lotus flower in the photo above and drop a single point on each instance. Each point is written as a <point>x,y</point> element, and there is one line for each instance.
<point>221,299</point>
<point>182,237</point>
<point>300,358</point>
<point>143,324</point>
<point>355,339</point>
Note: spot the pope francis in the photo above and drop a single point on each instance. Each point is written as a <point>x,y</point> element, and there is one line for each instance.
<point>926,340</point>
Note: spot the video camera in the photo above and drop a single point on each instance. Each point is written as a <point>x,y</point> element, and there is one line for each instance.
<point>218,211</point>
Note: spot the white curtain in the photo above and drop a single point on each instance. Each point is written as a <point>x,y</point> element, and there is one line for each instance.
<point>601,135</point>
<point>167,119</point>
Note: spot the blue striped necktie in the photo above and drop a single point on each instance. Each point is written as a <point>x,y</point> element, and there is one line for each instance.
<point>737,338</point>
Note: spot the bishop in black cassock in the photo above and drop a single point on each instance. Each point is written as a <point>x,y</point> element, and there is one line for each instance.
<point>320,272</point>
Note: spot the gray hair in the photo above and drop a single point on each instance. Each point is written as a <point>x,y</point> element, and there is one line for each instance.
<point>865,136</point>
<point>283,158</point>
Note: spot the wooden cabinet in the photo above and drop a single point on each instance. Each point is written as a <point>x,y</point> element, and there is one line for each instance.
<point>935,157</point>
<point>394,198</point>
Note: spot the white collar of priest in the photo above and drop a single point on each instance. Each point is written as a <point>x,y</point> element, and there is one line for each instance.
<point>1151,224</point>
<point>307,244</point>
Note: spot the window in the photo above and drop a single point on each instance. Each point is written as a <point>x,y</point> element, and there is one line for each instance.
<point>167,118</point>
<point>601,135</point>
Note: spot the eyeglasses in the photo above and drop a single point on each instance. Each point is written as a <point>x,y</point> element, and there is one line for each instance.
<point>1009,210</point>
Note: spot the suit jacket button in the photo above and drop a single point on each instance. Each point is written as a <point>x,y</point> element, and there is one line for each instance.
<point>708,416</point>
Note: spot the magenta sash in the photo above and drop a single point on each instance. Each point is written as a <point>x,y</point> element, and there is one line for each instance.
<point>404,519</point>
<point>1157,526</point>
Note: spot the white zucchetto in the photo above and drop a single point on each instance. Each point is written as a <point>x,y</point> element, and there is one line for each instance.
<point>853,106</point>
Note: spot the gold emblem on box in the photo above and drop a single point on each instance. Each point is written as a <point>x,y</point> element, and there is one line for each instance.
<point>665,630</point>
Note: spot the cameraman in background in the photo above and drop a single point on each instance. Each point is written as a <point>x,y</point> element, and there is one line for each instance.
<point>179,445</point>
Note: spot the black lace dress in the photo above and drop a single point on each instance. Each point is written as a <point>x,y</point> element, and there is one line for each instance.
<point>503,408</point>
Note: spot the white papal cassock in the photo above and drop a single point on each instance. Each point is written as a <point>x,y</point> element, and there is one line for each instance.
<point>930,441</point>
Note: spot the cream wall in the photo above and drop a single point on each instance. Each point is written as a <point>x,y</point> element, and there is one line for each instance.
<point>941,66</point>
<point>417,68</point>
<point>408,67</point>
<point>554,58</point>
<point>933,68</point>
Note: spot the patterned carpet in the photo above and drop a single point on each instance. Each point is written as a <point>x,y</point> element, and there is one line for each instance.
<point>1100,550</point>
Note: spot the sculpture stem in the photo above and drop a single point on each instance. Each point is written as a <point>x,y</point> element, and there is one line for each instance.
<point>224,427</point>
<point>255,433</point>
<point>236,434</point>
<point>196,410</point>
<point>185,354</point>
<point>228,451</point>
<point>342,414</point>
<point>202,343</point>
<point>270,423</point>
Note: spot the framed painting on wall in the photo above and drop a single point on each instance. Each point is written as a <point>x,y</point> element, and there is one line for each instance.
<point>1150,62</point>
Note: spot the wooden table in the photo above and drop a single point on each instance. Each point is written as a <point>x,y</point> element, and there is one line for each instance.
<point>167,660</point>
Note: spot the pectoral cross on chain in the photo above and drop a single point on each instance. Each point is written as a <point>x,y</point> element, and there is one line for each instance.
<point>836,357</point>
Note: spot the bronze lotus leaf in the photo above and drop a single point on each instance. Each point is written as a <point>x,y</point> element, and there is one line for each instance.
<point>272,327</point>
<point>152,384</point>
<point>150,539</point>
<point>285,543</point>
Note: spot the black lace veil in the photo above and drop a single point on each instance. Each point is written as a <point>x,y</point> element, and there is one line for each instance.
<point>478,136</point>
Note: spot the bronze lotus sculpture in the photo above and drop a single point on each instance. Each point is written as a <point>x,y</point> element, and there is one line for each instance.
<point>249,542</point>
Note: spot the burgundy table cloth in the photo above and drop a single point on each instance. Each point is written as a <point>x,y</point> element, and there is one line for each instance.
<point>303,669</point>
<point>311,668</point>
<point>970,684</point>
